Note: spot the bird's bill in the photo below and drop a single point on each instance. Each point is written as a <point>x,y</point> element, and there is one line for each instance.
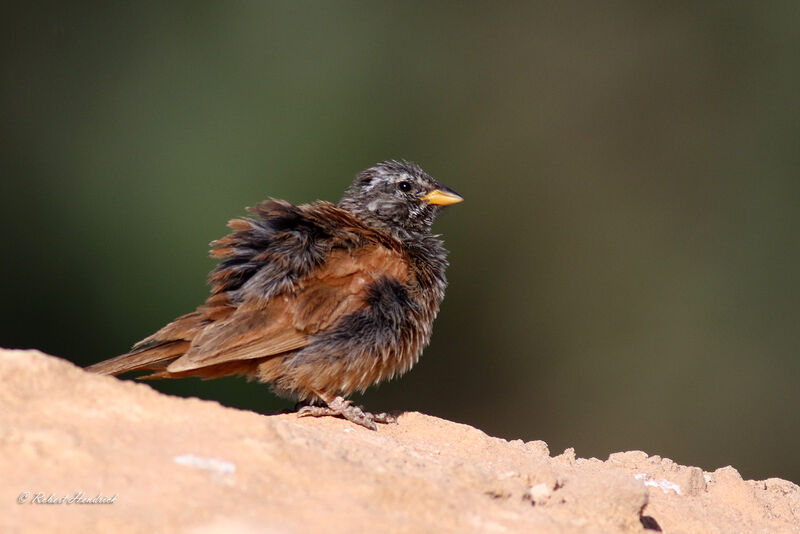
<point>442,197</point>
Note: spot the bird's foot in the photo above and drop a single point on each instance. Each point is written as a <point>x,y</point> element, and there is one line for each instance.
<point>342,407</point>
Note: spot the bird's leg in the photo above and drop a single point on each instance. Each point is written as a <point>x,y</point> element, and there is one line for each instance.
<point>339,406</point>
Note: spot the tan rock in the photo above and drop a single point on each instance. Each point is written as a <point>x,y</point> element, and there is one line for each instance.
<point>87,453</point>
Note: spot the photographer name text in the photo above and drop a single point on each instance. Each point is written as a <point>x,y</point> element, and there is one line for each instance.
<point>78,497</point>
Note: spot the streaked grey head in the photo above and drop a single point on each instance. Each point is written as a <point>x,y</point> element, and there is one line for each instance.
<point>397,197</point>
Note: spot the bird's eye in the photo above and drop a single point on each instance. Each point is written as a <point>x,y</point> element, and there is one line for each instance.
<point>405,187</point>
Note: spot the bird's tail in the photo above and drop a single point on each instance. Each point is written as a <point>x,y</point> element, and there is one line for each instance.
<point>152,358</point>
<point>157,351</point>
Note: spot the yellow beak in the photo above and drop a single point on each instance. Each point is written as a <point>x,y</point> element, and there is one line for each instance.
<point>442,197</point>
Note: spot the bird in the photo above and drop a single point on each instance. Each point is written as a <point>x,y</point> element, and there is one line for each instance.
<point>317,300</point>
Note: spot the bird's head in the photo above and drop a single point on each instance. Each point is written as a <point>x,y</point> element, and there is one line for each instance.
<point>398,197</point>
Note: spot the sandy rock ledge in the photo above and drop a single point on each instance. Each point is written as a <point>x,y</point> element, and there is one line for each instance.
<point>190,466</point>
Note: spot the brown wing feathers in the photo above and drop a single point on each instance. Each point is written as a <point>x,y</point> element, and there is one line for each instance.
<point>292,272</point>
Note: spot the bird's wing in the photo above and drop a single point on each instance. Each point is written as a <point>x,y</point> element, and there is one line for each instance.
<point>286,322</point>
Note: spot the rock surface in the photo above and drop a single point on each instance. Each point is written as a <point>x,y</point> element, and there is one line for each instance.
<point>189,466</point>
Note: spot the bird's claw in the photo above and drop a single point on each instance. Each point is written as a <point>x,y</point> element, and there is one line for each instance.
<point>344,408</point>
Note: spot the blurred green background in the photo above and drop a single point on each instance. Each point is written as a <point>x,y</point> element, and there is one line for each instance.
<point>624,271</point>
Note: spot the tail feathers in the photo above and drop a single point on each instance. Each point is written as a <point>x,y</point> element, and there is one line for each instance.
<point>159,350</point>
<point>155,357</point>
<point>237,367</point>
